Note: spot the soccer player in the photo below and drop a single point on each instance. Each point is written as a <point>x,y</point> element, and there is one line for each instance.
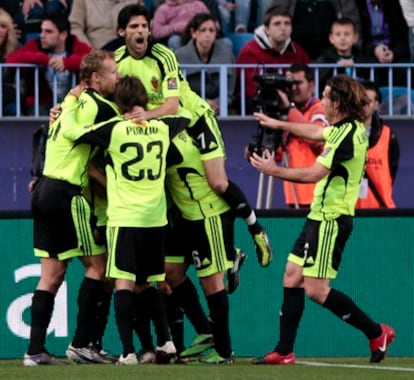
<point>169,93</point>
<point>316,254</point>
<point>137,218</point>
<point>209,246</point>
<point>62,215</point>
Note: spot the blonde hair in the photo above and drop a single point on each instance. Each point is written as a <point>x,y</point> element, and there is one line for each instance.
<point>10,43</point>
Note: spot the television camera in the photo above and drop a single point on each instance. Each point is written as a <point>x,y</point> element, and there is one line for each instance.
<point>268,101</point>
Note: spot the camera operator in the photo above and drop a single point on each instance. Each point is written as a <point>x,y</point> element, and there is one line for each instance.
<point>296,151</point>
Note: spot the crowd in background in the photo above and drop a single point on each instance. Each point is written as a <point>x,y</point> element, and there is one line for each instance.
<point>203,32</point>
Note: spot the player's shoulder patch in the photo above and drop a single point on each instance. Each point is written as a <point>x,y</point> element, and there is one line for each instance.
<point>172,84</point>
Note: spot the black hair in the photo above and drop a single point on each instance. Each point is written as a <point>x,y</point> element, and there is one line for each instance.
<point>298,67</point>
<point>129,11</point>
<point>195,24</point>
<point>62,23</point>
<point>370,85</point>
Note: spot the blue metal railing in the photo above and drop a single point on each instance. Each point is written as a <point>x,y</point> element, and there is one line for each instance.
<point>405,94</point>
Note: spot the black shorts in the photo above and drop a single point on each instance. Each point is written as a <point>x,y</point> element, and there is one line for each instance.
<point>62,221</point>
<point>208,244</point>
<point>136,254</point>
<point>320,245</point>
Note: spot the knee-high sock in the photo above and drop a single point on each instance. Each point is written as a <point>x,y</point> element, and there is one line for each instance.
<point>186,296</point>
<point>218,304</point>
<point>142,324</point>
<point>290,316</point>
<point>175,317</point>
<point>156,309</point>
<point>238,202</point>
<point>103,309</point>
<point>346,309</point>
<point>89,294</point>
<point>124,315</point>
<point>41,313</point>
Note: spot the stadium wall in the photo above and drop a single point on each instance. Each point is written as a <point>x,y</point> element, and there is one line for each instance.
<point>377,271</point>
<point>16,151</point>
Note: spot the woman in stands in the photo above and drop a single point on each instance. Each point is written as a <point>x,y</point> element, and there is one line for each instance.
<point>8,43</point>
<point>203,47</point>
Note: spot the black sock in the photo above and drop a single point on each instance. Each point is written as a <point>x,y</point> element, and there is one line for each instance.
<point>89,293</point>
<point>124,314</point>
<point>176,322</point>
<point>41,313</point>
<point>290,316</point>
<point>156,310</point>
<point>347,310</point>
<point>142,324</point>
<point>102,309</point>
<point>186,296</point>
<point>218,304</point>
<point>238,202</point>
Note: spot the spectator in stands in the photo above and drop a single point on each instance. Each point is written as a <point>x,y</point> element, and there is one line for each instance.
<point>35,11</point>
<point>242,16</point>
<point>407,7</point>
<point>383,156</point>
<point>95,21</point>
<point>385,36</point>
<point>343,51</point>
<point>203,47</point>
<point>172,17</point>
<point>235,15</point>
<point>302,106</point>
<point>272,44</point>
<point>59,53</point>
<point>8,43</point>
<point>226,9</point>
<point>14,9</point>
<point>312,20</point>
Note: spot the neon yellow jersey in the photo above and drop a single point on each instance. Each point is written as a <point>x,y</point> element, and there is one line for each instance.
<point>157,69</point>
<point>65,160</point>
<point>344,154</point>
<point>135,169</point>
<point>160,74</point>
<point>187,182</point>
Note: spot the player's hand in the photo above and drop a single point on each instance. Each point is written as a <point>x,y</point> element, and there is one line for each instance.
<point>32,184</point>
<point>137,113</point>
<point>265,164</point>
<point>77,90</point>
<point>54,112</point>
<point>164,287</point>
<point>267,121</point>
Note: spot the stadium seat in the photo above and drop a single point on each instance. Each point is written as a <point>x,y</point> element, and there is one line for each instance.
<point>238,40</point>
<point>400,101</point>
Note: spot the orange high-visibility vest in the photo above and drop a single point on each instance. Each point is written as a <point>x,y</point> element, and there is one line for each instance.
<point>300,154</point>
<point>378,171</point>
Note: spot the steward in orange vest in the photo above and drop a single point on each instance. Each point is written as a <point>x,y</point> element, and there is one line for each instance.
<point>301,153</point>
<point>381,167</point>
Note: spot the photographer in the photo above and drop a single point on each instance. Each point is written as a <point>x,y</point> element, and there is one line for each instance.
<point>297,151</point>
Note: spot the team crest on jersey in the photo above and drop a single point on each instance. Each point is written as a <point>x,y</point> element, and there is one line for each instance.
<point>155,82</point>
<point>172,84</point>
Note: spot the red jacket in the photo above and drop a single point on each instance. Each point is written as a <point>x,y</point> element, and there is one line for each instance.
<point>32,52</point>
<point>258,51</point>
